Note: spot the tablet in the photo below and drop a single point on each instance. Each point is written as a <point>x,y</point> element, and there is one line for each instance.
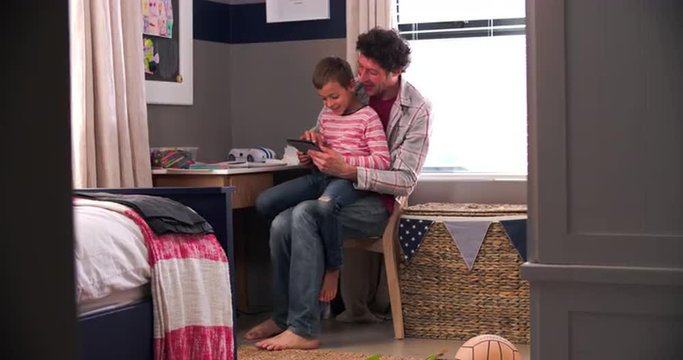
<point>303,145</point>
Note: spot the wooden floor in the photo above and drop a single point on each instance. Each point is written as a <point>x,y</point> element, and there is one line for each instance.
<point>371,339</point>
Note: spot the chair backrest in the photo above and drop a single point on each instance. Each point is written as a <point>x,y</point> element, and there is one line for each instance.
<point>376,244</point>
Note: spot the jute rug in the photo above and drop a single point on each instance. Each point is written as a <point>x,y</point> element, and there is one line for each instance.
<point>251,352</point>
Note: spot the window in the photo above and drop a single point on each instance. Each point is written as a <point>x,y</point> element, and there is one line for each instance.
<point>469,60</point>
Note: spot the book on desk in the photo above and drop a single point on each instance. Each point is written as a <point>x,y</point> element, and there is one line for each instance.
<point>235,165</point>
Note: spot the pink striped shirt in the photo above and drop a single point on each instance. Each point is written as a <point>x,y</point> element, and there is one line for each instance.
<point>359,137</point>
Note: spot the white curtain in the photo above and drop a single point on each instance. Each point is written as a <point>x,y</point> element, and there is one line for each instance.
<point>110,141</point>
<point>363,15</point>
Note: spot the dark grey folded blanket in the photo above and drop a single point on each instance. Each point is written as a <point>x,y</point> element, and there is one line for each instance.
<point>163,215</point>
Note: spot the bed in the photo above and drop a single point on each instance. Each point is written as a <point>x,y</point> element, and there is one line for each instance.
<point>126,332</point>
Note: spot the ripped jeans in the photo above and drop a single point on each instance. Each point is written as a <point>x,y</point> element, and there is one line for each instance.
<point>297,256</point>
<point>329,195</point>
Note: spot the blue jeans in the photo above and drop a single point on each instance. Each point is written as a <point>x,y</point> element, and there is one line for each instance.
<point>339,192</point>
<point>298,256</point>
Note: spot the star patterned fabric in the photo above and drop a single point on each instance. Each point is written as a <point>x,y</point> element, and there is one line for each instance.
<point>411,232</point>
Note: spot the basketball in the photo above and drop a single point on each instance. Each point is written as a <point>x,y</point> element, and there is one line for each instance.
<point>488,347</point>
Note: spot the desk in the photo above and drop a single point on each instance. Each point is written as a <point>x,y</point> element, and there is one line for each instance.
<point>248,183</point>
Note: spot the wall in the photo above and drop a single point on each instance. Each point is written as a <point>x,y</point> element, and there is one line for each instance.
<point>251,79</point>
<point>281,101</point>
<point>206,123</point>
<point>466,189</point>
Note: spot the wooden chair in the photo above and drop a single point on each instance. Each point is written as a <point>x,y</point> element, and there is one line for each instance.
<point>388,246</point>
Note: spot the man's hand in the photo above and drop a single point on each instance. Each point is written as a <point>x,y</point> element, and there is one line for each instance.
<point>332,163</point>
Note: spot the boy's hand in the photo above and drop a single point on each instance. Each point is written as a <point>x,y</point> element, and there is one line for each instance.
<point>332,163</point>
<point>313,136</point>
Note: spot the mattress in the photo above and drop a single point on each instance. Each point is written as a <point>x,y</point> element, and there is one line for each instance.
<point>111,262</point>
<point>114,300</point>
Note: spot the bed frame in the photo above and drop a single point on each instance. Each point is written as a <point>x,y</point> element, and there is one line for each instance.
<point>127,332</point>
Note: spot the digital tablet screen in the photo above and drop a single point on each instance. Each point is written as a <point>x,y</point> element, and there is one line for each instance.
<point>303,145</point>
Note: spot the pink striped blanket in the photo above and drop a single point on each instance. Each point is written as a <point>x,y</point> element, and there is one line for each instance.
<point>191,293</point>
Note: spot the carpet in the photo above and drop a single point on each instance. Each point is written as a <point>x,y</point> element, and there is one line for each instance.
<point>251,352</point>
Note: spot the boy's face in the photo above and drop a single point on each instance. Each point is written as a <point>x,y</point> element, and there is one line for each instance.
<point>374,78</point>
<point>336,97</point>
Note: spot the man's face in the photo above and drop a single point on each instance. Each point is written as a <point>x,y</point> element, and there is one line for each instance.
<point>373,78</point>
<point>336,97</point>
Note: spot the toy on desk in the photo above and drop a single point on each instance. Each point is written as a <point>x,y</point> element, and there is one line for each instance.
<point>238,154</point>
<point>260,154</point>
<point>256,154</point>
<point>173,157</point>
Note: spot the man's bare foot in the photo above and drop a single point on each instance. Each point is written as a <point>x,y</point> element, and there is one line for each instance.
<point>288,340</point>
<point>329,288</point>
<point>263,330</point>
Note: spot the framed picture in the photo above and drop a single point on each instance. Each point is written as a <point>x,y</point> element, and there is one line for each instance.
<point>167,44</point>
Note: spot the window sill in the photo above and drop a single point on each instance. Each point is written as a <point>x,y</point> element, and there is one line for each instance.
<point>479,177</point>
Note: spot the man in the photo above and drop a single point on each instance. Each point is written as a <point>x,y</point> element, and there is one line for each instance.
<point>297,253</point>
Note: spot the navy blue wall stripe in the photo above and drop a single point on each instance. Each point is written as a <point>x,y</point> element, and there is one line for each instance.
<point>241,24</point>
<point>211,21</point>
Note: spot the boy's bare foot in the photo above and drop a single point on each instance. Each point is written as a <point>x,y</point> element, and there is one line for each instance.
<point>263,330</point>
<point>329,288</point>
<point>288,340</point>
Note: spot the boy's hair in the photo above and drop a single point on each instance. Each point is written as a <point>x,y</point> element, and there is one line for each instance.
<point>386,48</point>
<point>332,69</point>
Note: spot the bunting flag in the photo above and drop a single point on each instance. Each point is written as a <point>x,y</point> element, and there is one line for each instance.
<point>468,237</point>
<point>516,232</point>
<point>410,235</point>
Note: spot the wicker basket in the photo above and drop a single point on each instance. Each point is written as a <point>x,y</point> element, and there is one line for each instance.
<point>443,299</point>
<point>464,209</point>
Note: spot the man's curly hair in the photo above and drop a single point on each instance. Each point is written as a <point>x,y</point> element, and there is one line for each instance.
<point>386,48</point>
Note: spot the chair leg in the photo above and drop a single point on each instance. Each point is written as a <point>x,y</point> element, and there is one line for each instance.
<point>391,266</point>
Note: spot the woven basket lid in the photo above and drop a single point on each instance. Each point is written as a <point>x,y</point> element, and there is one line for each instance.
<point>465,209</point>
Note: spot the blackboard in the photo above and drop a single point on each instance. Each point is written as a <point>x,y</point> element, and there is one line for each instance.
<point>167,49</point>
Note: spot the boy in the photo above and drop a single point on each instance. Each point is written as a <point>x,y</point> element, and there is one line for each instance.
<point>356,132</point>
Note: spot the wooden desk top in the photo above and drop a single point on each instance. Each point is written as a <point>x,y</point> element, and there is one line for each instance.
<point>231,171</point>
<point>248,182</point>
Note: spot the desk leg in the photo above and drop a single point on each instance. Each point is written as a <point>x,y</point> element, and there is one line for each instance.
<point>240,233</point>
<point>253,266</point>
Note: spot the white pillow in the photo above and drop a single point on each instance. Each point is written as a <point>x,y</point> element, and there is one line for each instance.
<point>109,252</point>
